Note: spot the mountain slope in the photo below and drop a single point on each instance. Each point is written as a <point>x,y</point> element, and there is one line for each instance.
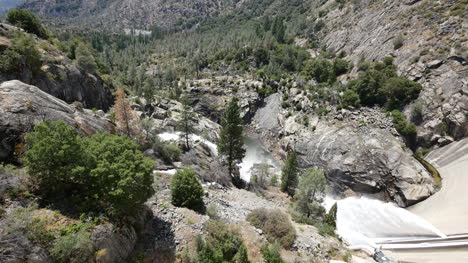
<point>433,52</point>
<point>141,14</point>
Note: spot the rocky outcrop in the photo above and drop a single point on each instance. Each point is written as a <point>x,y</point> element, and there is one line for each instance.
<point>209,97</point>
<point>59,76</point>
<point>433,53</point>
<point>22,106</point>
<point>360,153</point>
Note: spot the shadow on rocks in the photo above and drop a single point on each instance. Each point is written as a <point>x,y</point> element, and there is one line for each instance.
<point>158,241</point>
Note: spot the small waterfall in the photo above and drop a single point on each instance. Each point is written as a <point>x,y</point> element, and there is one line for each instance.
<point>255,154</point>
<point>365,222</point>
<point>175,136</point>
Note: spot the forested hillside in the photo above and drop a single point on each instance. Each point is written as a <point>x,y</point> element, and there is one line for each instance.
<point>219,130</point>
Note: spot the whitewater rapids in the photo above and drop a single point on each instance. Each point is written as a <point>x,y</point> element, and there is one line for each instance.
<point>363,221</point>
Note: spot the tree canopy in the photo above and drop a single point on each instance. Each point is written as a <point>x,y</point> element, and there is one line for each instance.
<point>99,173</point>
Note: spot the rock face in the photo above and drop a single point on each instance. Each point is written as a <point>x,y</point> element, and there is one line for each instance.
<point>356,153</point>
<point>433,53</point>
<point>211,100</point>
<point>22,106</point>
<point>59,76</point>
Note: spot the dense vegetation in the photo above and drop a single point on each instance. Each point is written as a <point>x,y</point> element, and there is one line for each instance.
<point>99,173</point>
<point>222,244</point>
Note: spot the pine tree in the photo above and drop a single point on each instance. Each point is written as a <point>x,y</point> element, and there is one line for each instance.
<point>127,123</point>
<point>230,142</point>
<point>278,29</point>
<point>310,192</point>
<point>149,90</point>
<point>187,119</point>
<point>289,175</point>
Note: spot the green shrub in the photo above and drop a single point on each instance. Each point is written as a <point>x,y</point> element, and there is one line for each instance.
<point>76,243</point>
<point>27,21</point>
<point>121,172</point>
<point>275,224</point>
<point>350,99</point>
<point>99,173</point>
<point>272,253</point>
<point>319,69</point>
<point>22,54</point>
<point>417,113</point>
<point>186,190</point>
<point>168,152</point>
<point>400,91</point>
<point>212,211</point>
<point>39,234</point>
<point>340,66</point>
<point>398,41</point>
<point>222,244</point>
<point>408,130</point>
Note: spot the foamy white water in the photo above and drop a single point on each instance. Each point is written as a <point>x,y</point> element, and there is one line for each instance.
<point>169,172</point>
<point>255,154</point>
<point>364,221</point>
<point>175,136</point>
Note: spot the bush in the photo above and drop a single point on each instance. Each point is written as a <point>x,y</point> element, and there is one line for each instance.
<point>27,21</point>
<point>272,253</point>
<point>340,66</point>
<point>100,173</point>
<point>212,211</point>
<point>168,152</point>
<point>75,242</point>
<point>22,54</point>
<point>408,130</point>
<point>417,113</point>
<point>186,190</point>
<point>400,91</point>
<point>398,41</point>
<point>222,244</point>
<point>319,69</point>
<point>350,99</point>
<point>275,224</point>
<point>121,173</point>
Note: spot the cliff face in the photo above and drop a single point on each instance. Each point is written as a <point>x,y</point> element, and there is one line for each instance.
<point>433,52</point>
<point>358,150</point>
<point>59,76</point>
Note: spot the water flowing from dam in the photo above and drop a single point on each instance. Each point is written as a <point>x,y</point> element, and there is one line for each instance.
<point>363,221</point>
<point>255,154</point>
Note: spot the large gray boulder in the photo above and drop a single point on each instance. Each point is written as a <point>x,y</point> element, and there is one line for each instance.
<point>359,153</point>
<point>22,106</point>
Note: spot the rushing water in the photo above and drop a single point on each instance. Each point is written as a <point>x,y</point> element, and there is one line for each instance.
<point>364,222</point>
<point>175,136</point>
<point>255,154</point>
